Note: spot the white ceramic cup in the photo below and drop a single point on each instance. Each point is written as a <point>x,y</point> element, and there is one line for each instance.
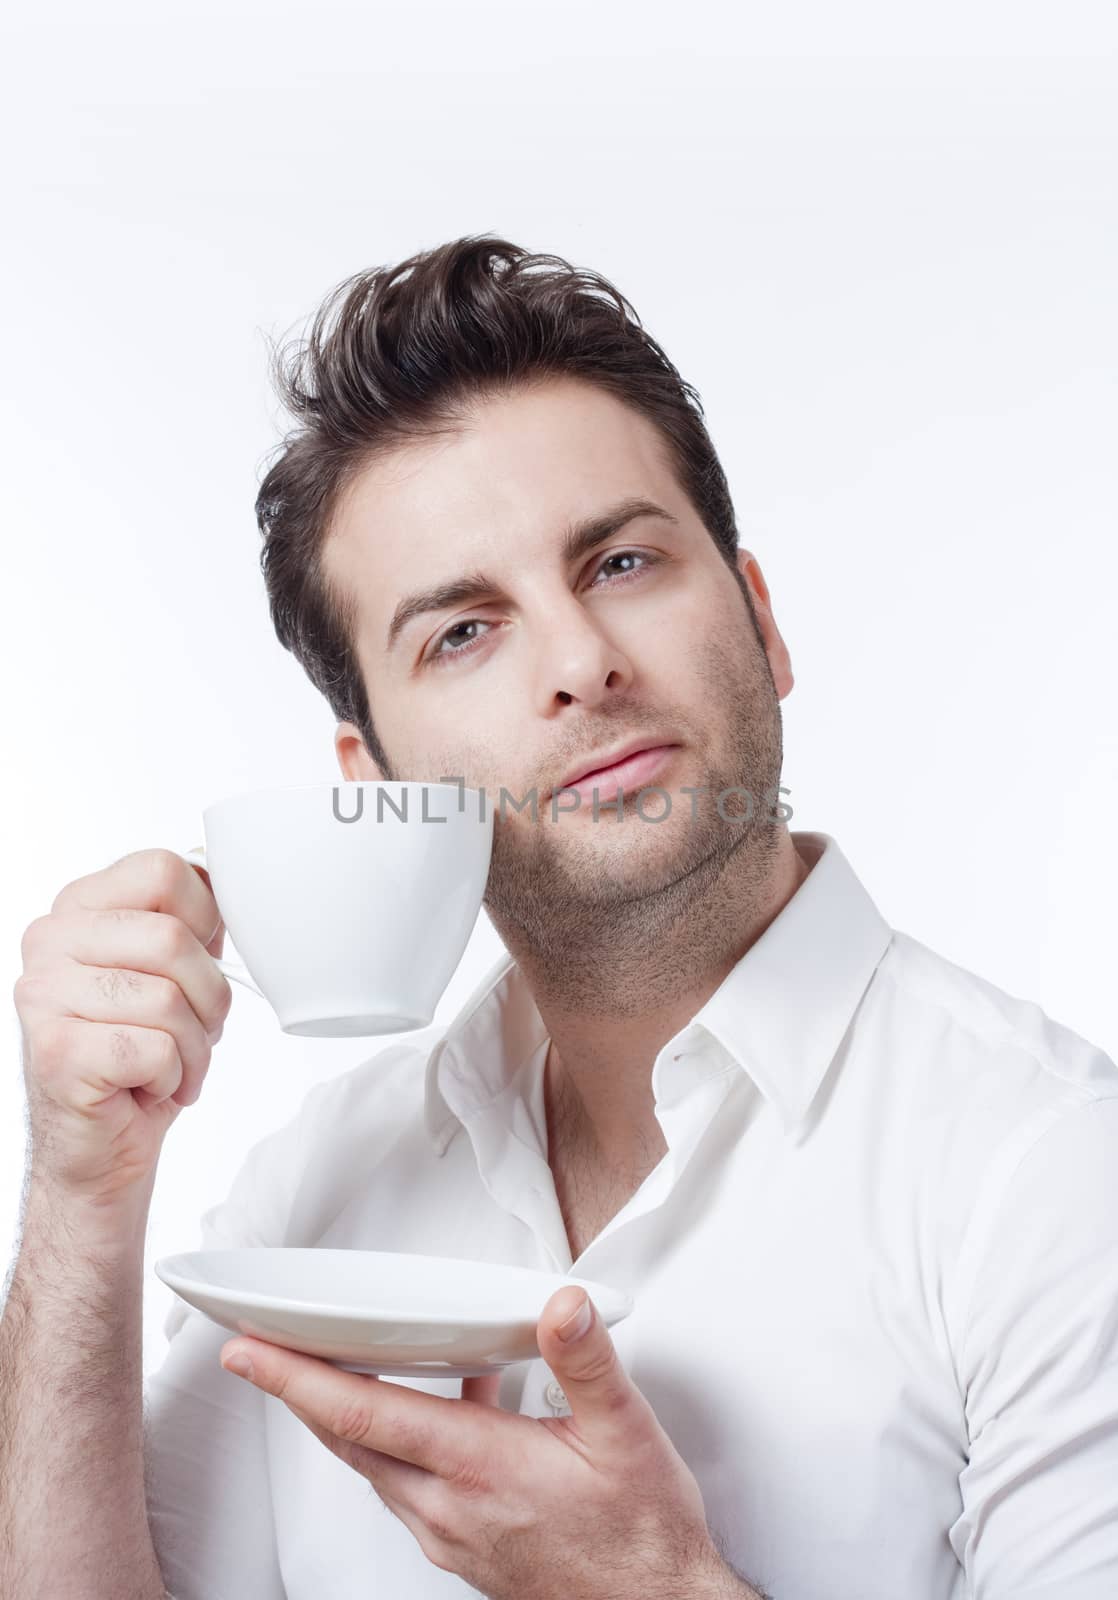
<point>352,902</point>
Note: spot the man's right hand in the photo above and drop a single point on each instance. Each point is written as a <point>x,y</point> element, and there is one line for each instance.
<point>120,1002</point>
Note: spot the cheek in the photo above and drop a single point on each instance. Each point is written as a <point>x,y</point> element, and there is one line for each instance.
<point>672,642</point>
<point>481,762</point>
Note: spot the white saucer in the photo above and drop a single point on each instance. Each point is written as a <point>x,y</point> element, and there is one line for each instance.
<point>378,1311</point>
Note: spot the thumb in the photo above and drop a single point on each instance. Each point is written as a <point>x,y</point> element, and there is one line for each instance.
<point>599,1391</point>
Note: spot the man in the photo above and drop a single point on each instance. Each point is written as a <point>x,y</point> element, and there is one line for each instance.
<point>865,1202</point>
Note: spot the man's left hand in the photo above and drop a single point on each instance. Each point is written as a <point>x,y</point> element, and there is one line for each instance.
<point>592,1505</point>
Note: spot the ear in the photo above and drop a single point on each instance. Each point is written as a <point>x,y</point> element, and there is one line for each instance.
<point>777,651</point>
<point>354,760</point>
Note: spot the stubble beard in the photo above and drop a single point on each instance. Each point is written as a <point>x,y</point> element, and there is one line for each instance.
<point>587,903</point>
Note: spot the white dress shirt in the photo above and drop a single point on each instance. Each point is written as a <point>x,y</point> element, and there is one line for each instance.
<point>875,1275</point>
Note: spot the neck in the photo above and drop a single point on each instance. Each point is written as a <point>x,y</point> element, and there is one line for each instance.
<point>613,988</point>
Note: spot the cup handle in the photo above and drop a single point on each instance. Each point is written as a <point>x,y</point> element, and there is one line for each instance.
<point>236,970</point>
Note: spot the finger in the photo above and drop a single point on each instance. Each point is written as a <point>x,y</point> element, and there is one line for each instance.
<point>148,880</point>
<point>430,1431</point>
<point>414,1498</point>
<point>605,1403</point>
<point>392,1479</point>
<point>99,1062</point>
<point>137,941</point>
<point>140,1000</point>
<point>482,1390</point>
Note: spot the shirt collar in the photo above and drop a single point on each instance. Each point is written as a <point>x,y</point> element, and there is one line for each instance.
<point>780,1013</point>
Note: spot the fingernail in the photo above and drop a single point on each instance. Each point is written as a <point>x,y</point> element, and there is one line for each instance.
<point>576,1324</point>
<point>239,1364</point>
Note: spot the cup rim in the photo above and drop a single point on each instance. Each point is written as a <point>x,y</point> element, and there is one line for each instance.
<point>344,783</point>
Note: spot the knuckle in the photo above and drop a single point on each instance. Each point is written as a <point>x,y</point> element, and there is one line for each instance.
<point>166,1050</point>
<point>49,1040</point>
<point>163,868</point>
<point>602,1365</point>
<point>65,896</point>
<point>113,982</point>
<point>170,936</point>
<point>442,1529</point>
<point>471,1479</point>
<point>122,1043</point>
<point>25,989</point>
<point>616,1397</point>
<point>353,1420</point>
<point>167,996</point>
<point>33,937</point>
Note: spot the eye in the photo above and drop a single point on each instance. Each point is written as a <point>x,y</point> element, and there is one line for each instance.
<point>438,657</point>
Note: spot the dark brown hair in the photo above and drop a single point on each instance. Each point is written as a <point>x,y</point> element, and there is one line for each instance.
<point>412,348</point>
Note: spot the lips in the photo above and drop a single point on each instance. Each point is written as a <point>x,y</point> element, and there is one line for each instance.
<point>632,771</point>
<point>610,759</point>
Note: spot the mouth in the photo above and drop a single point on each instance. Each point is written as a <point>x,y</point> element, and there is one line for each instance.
<point>633,772</point>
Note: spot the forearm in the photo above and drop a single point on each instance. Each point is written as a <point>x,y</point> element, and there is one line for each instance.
<point>73,1515</point>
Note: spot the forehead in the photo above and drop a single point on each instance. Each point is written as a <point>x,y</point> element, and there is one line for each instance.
<point>503,489</point>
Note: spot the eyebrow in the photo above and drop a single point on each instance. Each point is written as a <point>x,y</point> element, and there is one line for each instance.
<point>578,540</point>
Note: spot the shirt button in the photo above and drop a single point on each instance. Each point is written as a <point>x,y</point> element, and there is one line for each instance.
<point>554,1395</point>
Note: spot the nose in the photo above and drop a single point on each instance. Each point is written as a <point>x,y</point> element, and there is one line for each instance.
<point>577,659</point>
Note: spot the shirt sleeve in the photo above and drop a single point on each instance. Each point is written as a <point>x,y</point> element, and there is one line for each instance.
<point>1038,1362</point>
<point>208,1491</point>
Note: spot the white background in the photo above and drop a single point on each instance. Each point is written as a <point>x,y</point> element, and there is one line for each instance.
<point>880,240</point>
